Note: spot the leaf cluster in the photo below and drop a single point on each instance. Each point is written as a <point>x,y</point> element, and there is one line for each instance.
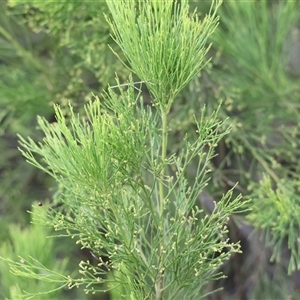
<point>155,44</point>
<point>275,215</point>
<point>47,56</point>
<point>24,246</point>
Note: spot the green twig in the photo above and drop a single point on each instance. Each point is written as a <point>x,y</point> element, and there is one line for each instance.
<point>26,54</point>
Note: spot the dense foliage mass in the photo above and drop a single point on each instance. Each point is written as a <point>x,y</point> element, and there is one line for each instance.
<point>144,148</point>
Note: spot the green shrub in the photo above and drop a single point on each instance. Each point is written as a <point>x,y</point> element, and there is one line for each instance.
<point>148,174</point>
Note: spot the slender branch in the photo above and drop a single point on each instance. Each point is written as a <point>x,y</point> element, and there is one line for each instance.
<point>262,162</point>
<point>26,54</point>
<point>163,158</point>
<point>159,283</point>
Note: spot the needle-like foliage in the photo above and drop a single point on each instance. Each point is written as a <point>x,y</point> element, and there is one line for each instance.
<point>124,196</point>
<point>100,163</point>
<point>164,45</point>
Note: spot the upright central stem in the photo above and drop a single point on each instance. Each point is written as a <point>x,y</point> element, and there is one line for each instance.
<point>163,158</point>
<point>160,277</point>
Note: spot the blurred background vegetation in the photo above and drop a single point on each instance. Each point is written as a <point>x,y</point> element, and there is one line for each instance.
<point>55,52</point>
